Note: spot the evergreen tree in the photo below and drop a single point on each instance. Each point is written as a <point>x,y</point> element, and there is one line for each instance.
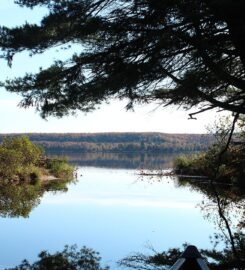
<point>183,52</point>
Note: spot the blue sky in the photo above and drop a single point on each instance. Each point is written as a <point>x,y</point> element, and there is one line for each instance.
<point>109,118</point>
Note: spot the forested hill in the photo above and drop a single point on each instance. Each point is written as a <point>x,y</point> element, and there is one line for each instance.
<point>118,142</point>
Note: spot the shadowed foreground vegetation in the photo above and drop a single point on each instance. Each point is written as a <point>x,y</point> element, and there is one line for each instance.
<point>87,259</point>
<point>142,51</point>
<point>218,260</point>
<point>224,161</point>
<point>69,259</point>
<point>230,171</point>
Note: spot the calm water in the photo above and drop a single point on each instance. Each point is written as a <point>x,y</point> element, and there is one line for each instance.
<point>113,211</point>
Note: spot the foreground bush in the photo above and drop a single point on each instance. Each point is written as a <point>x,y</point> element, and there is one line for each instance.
<point>69,259</point>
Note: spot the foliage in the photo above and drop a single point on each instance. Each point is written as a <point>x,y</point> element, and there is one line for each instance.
<point>60,168</point>
<point>68,259</point>
<point>231,169</point>
<point>19,159</point>
<point>23,161</point>
<point>218,260</point>
<point>17,200</point>
<point>189,165</point>
<point>223,161</point>
<point>136,49</point>
<point>30,153</point>
<point>158,260</point>
<point>30,174</point>
<point>23,169</point>
<point>9,163</point>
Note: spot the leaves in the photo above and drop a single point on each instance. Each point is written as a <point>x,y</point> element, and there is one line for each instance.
<point>133,50</point>
<point>70,258</point>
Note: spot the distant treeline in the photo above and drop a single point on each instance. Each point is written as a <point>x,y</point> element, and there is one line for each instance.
<point>118,142</point>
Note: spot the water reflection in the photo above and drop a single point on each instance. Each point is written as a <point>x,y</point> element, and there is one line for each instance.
<point>19,199</point>
<point>122,160</point>
<point>110,211</point>
<point>222,205</point>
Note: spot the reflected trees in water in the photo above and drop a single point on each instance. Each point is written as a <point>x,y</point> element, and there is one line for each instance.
<point>121,160</point>
<point>19,199</point>
<point>26,173</point>
<point>222,205</point>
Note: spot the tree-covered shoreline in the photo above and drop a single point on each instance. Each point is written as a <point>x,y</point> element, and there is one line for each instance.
<point>224,160</point>
<point>22,161</point>
<point>26,174</point>
<point>136,142</point>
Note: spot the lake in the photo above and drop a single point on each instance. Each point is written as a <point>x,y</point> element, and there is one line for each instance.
<point>113,210</point>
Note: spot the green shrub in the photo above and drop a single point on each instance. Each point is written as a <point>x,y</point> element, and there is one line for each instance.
<point>19,158</point>
<point>60,168</point>
<point>28,152</point>
<point>9,163</point>
<point>189,165</point>
<point>229,167</point>
<point>69,258</point>
<point>30,174</point>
